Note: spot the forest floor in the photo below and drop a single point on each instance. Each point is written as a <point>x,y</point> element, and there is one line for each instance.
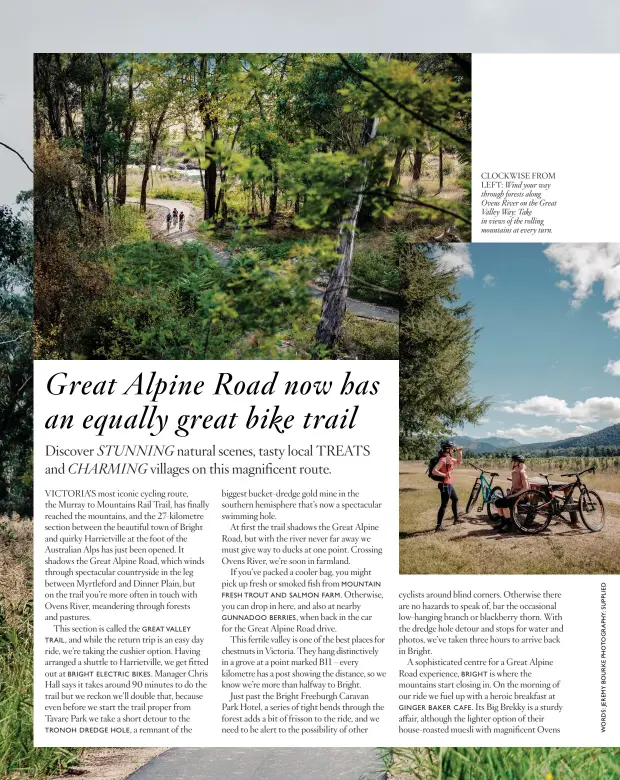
<point>160,207</point>
<point>475,547</point>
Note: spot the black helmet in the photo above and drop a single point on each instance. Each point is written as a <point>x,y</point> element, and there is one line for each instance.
<point>446,443</point>
<point>518,458</point>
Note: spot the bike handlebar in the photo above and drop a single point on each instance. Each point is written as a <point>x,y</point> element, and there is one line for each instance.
<point>482,471</point>
<point>579,473</point>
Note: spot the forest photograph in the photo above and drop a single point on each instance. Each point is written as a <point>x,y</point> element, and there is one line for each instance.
<point>245,206</point>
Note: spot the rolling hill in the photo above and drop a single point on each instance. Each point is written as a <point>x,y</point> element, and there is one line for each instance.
<point>490,444</point>
<point>606,437</point>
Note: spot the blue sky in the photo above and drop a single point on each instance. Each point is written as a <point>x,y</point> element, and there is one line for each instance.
<point>550,332</point>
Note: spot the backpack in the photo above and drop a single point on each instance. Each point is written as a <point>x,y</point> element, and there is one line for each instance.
<point>431,467</point>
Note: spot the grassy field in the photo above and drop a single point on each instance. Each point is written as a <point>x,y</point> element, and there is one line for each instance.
<point>606,476</point>
<point>475,547</point>
<point>505,763</point>
<point>18,757</point>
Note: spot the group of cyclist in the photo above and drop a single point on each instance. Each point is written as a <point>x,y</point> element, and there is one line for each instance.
<point>442,472</point>
<point>173,218</point>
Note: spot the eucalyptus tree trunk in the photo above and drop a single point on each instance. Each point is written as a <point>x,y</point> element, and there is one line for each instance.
<point>401,151</point>
<point>335,298</point>
<point>418,158</point>
<point>127,134</point>
<point>154,133</point>
<point>440,166</point>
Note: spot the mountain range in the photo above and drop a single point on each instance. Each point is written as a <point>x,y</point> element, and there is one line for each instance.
<point>489,444</point>
<point>606,437</point>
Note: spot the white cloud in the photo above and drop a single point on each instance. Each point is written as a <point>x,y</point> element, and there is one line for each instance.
<point>585,265</point>
<point>456,257</point>
<point>544,432</point>
<point>564,284</point>
<point>613,317</point>
<point>613,368</point>
<point>483,420</point>
<point>488,280</point>
<point>541,433</point>
<point>590,410</point>
<point>581,430</point>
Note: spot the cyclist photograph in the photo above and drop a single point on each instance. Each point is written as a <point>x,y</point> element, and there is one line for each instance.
<point>509,409</point>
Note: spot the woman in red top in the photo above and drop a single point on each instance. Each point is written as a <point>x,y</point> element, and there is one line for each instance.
<point>444,468</point>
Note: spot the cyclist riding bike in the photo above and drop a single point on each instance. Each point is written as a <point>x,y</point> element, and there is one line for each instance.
<point>175,216</point>
<point>443,469</point>
<point>181,220</point>
<point>168,221</point>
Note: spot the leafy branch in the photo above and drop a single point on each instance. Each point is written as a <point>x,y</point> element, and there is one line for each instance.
<point>463,141</point>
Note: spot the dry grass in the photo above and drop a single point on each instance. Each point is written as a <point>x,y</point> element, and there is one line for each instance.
<point>475,547</point>
<point>15,567</point>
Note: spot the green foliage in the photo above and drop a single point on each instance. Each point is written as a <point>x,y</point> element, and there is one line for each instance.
<point>17,753</point>
<point>480,763</point>
<point>375,277</point>
<point>436,348</point>
<point>16,302</point>
<point>367,339</point>
<point>179,302</point>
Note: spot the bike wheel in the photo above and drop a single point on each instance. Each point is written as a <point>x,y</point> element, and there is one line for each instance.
<point>494,517</point>
<point>473,496</point>
<point>526,515</point>
<point>592,510</point>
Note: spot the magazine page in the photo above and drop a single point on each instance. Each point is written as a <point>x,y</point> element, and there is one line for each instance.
<point>309,418</point>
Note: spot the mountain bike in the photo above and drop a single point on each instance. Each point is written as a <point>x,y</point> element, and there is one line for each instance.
<point>490,494</point>
<point>534,509</point>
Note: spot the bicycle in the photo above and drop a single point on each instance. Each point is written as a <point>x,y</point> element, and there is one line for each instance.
<point>534,509</point>
<point>490,494</point>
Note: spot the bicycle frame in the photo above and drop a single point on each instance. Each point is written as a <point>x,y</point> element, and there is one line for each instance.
<point>485,485</point>
<point>559,505</point>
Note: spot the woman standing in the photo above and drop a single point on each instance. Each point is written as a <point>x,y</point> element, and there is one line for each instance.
<point>443,470</point>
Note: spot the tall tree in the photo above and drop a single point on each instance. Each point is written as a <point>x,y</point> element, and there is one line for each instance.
<point>128,126</point>
<point>157,104</point>
<point>412,103</point>
<point>335,298</point>
<point>437,337</point>
<point>15,364</point>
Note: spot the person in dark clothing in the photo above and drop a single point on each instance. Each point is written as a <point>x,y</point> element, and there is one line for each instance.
<point>444,469</point>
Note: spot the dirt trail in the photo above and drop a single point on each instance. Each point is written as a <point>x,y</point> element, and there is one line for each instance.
<point>420,468</point>
<point>193,218</point>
